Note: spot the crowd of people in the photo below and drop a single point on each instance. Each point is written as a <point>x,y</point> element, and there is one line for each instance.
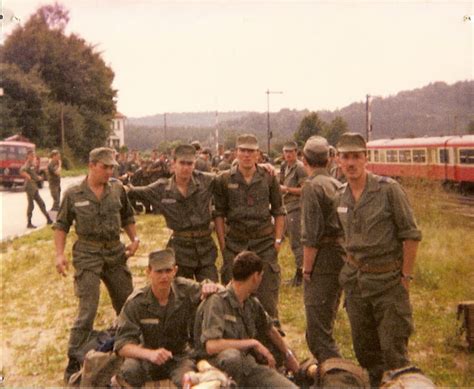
<point>349,230</point>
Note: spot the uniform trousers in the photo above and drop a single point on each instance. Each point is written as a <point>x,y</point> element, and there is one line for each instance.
<point>293,231</point>
<point>56,195</point>
<point>381,325</point>
<point>93,264</point>
<point>33,195</point>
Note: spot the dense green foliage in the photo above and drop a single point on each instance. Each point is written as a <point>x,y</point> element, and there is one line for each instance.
<point>45,73</point>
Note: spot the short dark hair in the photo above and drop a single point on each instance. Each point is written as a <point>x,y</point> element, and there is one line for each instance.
<point>245,264</point>
<point>316,160</point>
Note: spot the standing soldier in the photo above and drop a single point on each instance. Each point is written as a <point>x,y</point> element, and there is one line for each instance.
<point>28,172</point>
<point>292,176</point>
<point>225,164</point>
<point>100,208</point>
<point>184,199</point>
<point>247,197</point>
<point>323,253</point>
<point>54,178</point>
<point>381,244</point>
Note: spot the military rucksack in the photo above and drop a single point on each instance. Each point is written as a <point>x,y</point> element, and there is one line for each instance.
<point>406,378</point>
<point>341,373</point>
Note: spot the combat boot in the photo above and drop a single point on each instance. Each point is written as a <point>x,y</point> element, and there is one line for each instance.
<point>72,367</point>
<point>30,225</point>
<point>298,278</point>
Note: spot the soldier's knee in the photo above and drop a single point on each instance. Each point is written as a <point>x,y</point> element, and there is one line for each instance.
<point>132,373</point>
<point>229,357</point>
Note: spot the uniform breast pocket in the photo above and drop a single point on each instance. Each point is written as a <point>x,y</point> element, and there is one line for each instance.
<point>235,196</point>
<point>84,211</point>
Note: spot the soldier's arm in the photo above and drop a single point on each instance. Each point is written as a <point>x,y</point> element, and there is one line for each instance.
<point>220,231</point>
<point>24,174</point>
<point>151,193</point>
<point>291,361</point>
<point>131,232</point>
<point>157,357</point>
<point>279,228</point>
<point>60,243</point>
<point>410,248</point>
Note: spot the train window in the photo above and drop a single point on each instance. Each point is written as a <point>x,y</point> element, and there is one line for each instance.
<point>405,156</point>
<point>392,156</point>
<point>443,156</point>
<point>376,155</point>
<point>466,156</point>
<point>419,156</point>
<point>382,156</point>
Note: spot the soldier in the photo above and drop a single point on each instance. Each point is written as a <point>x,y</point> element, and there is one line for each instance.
<point>292,176</point>
<point>226,162</point>
<point>99,207</point>
<point>230,323</point>
<point>184,199</point>
<point>203,161</point>
<point>54,178</point>
<point>154,328</point>
<point>381,244</point>
<point>247,197</point>
<point>219,157</point>
<point>323,253</point>
<point>28,172</point>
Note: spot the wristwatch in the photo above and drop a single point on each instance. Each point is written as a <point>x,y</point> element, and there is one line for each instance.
<point>278,241</point>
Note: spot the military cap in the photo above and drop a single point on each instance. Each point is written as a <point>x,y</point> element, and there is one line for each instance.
<point>316,146</point>
<point>162,259</point>
<point>104,155</point>
<point>53,153</point>
<point>247,141</point>
<point>227,152</point>
<point>288,146</point>
<point>351,142</point>
<point>196,144</point>
<point>185,152</point>
<point>206,150</point>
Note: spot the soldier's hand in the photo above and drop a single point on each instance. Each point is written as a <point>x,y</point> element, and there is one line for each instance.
<point>132,248</point>
<point>208,289</point>
<point>159,356</point>
<point>269,168</point>
<point>406,283</point>
<point>277,246</point>
<point>261,349</point>
<point>62,264</point>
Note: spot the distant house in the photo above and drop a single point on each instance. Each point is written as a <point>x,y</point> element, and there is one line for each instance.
<point>116,138</point>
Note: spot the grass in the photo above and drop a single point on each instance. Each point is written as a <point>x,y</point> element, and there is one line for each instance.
<point>38,306</point>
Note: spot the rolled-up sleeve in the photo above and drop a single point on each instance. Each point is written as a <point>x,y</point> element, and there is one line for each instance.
<point>65,216</point>
<point>213,319</point>
<point>404,218</point>
<point>128,329</point>
<point>312,219</point>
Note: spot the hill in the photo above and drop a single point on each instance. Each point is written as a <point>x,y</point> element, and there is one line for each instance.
<point>436,109</point>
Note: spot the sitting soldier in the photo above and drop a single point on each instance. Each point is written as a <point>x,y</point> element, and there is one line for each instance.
<point>231,322</point>
<point>153,327</point>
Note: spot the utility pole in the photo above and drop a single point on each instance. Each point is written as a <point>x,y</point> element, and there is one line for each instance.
<point>269,133</point>
<point>164,126</point>
<point>368,118</point>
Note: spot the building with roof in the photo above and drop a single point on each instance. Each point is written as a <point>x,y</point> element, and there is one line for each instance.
<point>117,136</point>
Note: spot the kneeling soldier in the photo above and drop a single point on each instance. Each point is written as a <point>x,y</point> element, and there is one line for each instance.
<point>154,325</point>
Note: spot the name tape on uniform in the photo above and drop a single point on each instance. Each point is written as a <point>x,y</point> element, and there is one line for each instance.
<point>341,209</point>
<point>150,321</point>
<point>81,203</point>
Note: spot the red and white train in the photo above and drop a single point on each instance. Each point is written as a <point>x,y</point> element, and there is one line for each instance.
<point>449,159</point>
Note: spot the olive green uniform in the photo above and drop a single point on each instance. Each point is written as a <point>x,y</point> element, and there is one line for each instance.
<point>377,304</point>
<point>320,229</point>
<point>293,177</point>
<point>189,217</point>
<point>248,210</point>
<point>32,192</point>
<point>98,253</point>
<point>143,321</point>
<point>222,317</point>
<point>54,180</point>
<point>202,165</point>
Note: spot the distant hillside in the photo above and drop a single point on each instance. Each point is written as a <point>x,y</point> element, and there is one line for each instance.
<point>435,109</point>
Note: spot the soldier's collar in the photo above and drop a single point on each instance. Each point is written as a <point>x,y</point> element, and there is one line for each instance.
<point>320,171</point>
<point>234,302</point>
<point>372,184</point>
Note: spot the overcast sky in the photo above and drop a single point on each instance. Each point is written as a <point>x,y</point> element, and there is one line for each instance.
<point>171,56</point>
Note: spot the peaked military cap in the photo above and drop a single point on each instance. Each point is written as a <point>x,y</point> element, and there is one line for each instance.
<point>196,144</point>
<point>288,146</point>
<point>162,259</point>
<point>351,142</point>
<point>247,141</point>
<point>104,155</point>
<point>316,146</point>
<point>185,152</point>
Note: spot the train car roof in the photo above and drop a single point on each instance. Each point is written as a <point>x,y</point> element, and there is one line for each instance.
<point>16,143</point>
<point>459,140</point>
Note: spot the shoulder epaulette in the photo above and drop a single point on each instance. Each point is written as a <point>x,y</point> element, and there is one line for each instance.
<point>135,293</point>
<point>385,179</point>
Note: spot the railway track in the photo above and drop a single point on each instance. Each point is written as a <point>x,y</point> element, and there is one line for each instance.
<point>460,204</point>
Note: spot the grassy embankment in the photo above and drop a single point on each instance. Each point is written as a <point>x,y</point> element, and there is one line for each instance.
<point>38,306</point>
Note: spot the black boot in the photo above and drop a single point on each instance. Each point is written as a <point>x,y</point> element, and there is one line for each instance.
<point>72,367</point>
<point>49,220</point>
<point>30,225</point>
<point>298,278</point>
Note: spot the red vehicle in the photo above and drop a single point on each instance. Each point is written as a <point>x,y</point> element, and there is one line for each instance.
<point>12,158</point>
<point>449,159</point>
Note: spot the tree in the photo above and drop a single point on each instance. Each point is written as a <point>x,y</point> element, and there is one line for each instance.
<point>73,72</point>
<point>336,128</point>
<point>310,125</point>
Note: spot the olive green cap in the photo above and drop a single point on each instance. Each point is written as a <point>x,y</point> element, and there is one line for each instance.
<point>247,141</point>
<point>161,259</point>
<point>289,146</point>
<point>53,153</point>
<point>351,142</point>
<point>316,146</point>
<point>196,144</point>
<point>104,155</point>
<point>185,153</point>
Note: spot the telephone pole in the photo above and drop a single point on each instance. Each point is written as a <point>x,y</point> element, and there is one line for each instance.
<point>269,133</point>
